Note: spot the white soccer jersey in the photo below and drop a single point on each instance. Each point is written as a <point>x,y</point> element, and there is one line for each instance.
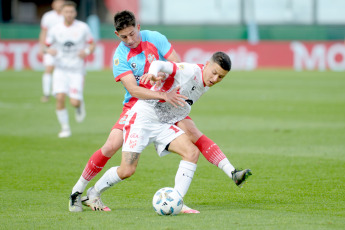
<point>189,78</point>
<point>50,19</point>
<point>69,41</point>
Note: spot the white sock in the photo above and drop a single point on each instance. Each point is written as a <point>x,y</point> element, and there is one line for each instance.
<point>46,84</point>
<point>80,185</point>
<point>184,176</point>
<point>109,179</point>
<point>226,166</point>
<point>62,116</point>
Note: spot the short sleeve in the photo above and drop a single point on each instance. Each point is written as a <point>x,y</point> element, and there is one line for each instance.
<point>89,36</point>
<point>120,65</point>
<point>161,42</point>
<point>44,21</point>
<point>50,37</point>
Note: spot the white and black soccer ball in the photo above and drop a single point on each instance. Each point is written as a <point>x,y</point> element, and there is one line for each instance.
<point>167,201</point>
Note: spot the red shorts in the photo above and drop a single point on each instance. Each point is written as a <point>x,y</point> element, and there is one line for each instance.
<point>122,120</point>
<point>123,117</point>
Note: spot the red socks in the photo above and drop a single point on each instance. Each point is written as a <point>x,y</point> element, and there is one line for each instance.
<point>94,165</point>
<point>210,150</point>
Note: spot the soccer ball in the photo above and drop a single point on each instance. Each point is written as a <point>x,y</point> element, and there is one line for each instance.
<point>167,201</point>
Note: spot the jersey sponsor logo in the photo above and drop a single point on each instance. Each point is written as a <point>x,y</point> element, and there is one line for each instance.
<point>189,101</point>
<point>68,46</point>
<point>134,65</point>
<point>116,61</point>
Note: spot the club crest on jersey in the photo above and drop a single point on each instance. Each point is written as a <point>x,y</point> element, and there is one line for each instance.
<point>151,58</point>
<point>181,67</point>
<point>134,65</point>
<point>116,61</point>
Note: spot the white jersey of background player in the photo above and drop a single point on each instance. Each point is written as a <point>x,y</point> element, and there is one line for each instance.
<point>49,19</point>
<point>72,42</point>
<point>69,41</point>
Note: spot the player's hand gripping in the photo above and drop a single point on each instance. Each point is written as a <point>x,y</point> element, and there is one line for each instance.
<point>152,78</point>
<point>175,98</point>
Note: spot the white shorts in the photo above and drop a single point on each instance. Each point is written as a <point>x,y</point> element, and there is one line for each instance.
<point>139,132</point>
<point>68,82</point>
<point>48,60</point>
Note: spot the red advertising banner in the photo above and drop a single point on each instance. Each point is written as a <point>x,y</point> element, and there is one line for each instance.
<point>296,55</point>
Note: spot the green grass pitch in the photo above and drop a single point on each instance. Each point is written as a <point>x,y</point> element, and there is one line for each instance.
<point>288,127</point>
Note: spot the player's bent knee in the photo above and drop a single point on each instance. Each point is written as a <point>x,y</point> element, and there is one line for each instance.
<point>125,172</point>
<point>193,154</point>
<point>109,150</point>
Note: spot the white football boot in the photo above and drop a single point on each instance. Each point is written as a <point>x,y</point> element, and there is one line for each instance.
<point>80,112</point>
<point>74,204</point>
<point>64,133</point>
<point>93,200</point>
<point>186,209</point>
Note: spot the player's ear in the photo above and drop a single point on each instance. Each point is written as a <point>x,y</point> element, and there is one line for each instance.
<point>116,33</point>
<point>138,26</point>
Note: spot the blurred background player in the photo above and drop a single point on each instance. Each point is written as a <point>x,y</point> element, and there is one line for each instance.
<point>131,60</point>
<point>72,42</point>
<point>49,19</point>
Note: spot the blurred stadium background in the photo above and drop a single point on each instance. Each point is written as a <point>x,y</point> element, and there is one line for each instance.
<point>291,34</point>
<point>287,126</point>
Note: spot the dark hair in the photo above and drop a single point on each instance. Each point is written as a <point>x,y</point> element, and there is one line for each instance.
<point>222,59</point>
<point>69,3</point>
<point>124,19</point>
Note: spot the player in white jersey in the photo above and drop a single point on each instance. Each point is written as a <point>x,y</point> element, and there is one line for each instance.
<point>49,19</point>
<point>73,42</point>
<point>150,121</point>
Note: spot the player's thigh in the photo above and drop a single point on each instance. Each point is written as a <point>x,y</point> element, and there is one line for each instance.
<point>183,146</point>
<point>76,85</point>
<point>60,81</point>
<point>189,127</point>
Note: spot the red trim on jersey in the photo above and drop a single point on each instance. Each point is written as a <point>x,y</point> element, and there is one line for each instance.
<point>202,73</point>
<point>118,78</point>
<point>134,51</point>
<point>170,80</point>
<point>128,127</point>
<point>151,54</point>
<point>168,53</point>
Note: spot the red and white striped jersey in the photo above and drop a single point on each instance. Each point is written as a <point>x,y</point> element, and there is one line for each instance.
<point>190,79</point>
